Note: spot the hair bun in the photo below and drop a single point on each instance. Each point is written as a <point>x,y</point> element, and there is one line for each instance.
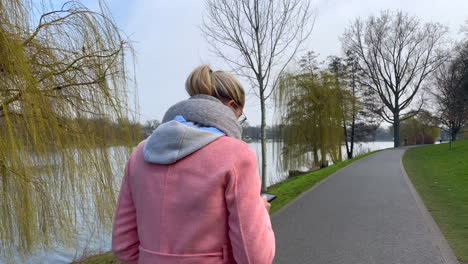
<point>200,81</point>
<point>219,84</point>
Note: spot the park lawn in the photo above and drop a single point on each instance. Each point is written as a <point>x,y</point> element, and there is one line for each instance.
<point>440,176</point>
<point>285,190</point>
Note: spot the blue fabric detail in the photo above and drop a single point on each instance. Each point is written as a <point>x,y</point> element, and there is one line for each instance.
<point>182,120</point>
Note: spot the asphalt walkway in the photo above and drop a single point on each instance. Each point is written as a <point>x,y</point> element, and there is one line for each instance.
<point>367,212</point>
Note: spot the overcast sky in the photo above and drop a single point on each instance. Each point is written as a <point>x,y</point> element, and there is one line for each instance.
<point>169,44</point>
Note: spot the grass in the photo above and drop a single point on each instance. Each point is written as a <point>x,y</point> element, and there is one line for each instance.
<point>285,190</point>
<point>440,176</point>
<point>104,258</point>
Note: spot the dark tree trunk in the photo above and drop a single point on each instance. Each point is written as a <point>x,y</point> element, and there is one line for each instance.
<point>263,136</point>
<point>453,133</point>
<point>353,124</point>
<point>396,130</point>
<point>450,137</point>
<point>348,153</point>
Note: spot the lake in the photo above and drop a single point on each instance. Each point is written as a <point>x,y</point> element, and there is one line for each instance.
<point>94,239</point>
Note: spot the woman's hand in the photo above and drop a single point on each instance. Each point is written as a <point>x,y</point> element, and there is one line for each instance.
<point>266,203</point>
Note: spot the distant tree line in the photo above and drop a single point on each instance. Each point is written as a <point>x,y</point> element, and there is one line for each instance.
<point>254,132</point>
<point>248,132</point>
<point>364,133</point>
<point>383,134</point>
<point>102,132</point>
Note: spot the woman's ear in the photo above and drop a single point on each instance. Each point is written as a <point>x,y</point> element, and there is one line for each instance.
<point>232,104</point>
<point>235,107</point>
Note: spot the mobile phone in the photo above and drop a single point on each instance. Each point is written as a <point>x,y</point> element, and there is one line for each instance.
<point>270,197</point>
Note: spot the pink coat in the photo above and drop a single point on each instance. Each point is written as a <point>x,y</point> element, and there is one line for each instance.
<point>204,208</point>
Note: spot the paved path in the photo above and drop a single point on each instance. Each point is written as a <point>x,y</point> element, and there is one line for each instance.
<point>365,213</point>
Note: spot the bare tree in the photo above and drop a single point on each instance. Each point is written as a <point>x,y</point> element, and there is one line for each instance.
<point>258,38</point>
<point>396,54</point>
<point>451,92</point>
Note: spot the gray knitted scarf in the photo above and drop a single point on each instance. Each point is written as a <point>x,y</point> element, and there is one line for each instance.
<point>207,111</point>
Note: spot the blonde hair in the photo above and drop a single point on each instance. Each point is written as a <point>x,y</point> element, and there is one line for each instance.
<point>219,84</point>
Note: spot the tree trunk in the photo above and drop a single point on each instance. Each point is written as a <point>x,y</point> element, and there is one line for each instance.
<point>350,152</point>
<point>263,136</point>
<point>450,137</point>
<point>454,132</point>
<point>346,141</point>
<point>316,160</point>
<point>351,140</point>
<point>353,122</point>
<point>396,129</point>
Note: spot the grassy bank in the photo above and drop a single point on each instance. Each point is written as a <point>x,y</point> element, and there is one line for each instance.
<point>440,176</point>
<point>104,258</point>
<point>286,191</point>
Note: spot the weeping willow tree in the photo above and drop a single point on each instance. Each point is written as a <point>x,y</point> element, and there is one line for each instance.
<point>58,67</point>
<point>311,115</point>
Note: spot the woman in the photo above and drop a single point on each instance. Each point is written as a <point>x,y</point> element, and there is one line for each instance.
<point>191,191</point>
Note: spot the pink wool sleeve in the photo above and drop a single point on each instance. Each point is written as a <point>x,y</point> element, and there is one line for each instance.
<point>125,242</point>
<point>250,231</point>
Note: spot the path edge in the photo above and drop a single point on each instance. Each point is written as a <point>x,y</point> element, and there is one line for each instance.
<point>438,238</point>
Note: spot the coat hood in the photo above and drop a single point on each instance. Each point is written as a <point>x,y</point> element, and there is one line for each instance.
<point>176,139</point>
